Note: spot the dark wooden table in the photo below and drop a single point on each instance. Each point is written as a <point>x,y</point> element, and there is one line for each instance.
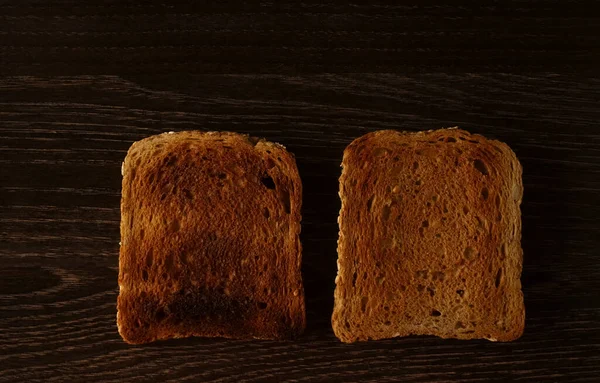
<point>80,81</point>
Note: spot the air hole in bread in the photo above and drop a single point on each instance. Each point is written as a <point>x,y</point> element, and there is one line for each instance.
<point>498,278</point>
<point>473,141</point>
<point>431,291</point>
<point>284,196</point>
<point>380,279</point>
<point>480,166</point>
<point>270,163</point>
<point>498,200</point>
<point>363,303</point>
<point>420,288</point>
<point>386,308</point>
<point>387,243</point>
<point>170,161</point>
<point>465,210</point>
<point>425,223</point>
<point>503,251</point>
<point>380,152</point>
<point>485,193</point>
<point>145,275</point>
<point>174,226</point>
<point>428,204</point>
<point>266,213</point>
<point>422,274</point>
<point>470,253</point>
<point>438,235</point>
<point>149,258</point>
<point>187,194</point>
<point>460,293</point>
<point>444,210</point>
<point>142,233</point>
<point>160,314</point>
<point>439,276</point>
<point>415,165</point>
<point>385,212</point>
<point>370,202</point>
<point>418,182</point>
<point>459,325</point>
<point>435,313</point>
<point>450,139</point>
<point>480,222</point>
<point>262,305</point>
<point>268,182</point>
<point>354,277</point>
<point>163,196</point>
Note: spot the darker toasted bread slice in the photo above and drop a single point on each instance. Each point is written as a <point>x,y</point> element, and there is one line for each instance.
<point>210,227</point>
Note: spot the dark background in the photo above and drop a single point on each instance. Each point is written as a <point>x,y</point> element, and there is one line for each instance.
<point>80,81</point>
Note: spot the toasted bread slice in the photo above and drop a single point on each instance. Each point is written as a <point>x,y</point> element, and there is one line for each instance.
<point>430,238</point>
<point>210,245</point>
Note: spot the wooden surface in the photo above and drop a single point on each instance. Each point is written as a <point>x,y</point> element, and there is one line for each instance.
<point>81,82</point>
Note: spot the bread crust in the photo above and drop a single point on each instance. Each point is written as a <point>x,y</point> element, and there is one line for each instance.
<point>430,238</point>
<point>210,245</point>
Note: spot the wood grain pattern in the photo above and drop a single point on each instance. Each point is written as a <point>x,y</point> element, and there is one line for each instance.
<point>83,81</point>
<point>114,36</point>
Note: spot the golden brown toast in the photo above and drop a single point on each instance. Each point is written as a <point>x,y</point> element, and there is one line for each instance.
<point>430,238</point>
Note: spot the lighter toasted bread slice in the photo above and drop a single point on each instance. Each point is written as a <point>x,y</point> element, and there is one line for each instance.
<point>430,238</point>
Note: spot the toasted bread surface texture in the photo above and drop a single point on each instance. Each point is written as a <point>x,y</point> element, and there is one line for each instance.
<point>430,238</point>
<point>210,245</point>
